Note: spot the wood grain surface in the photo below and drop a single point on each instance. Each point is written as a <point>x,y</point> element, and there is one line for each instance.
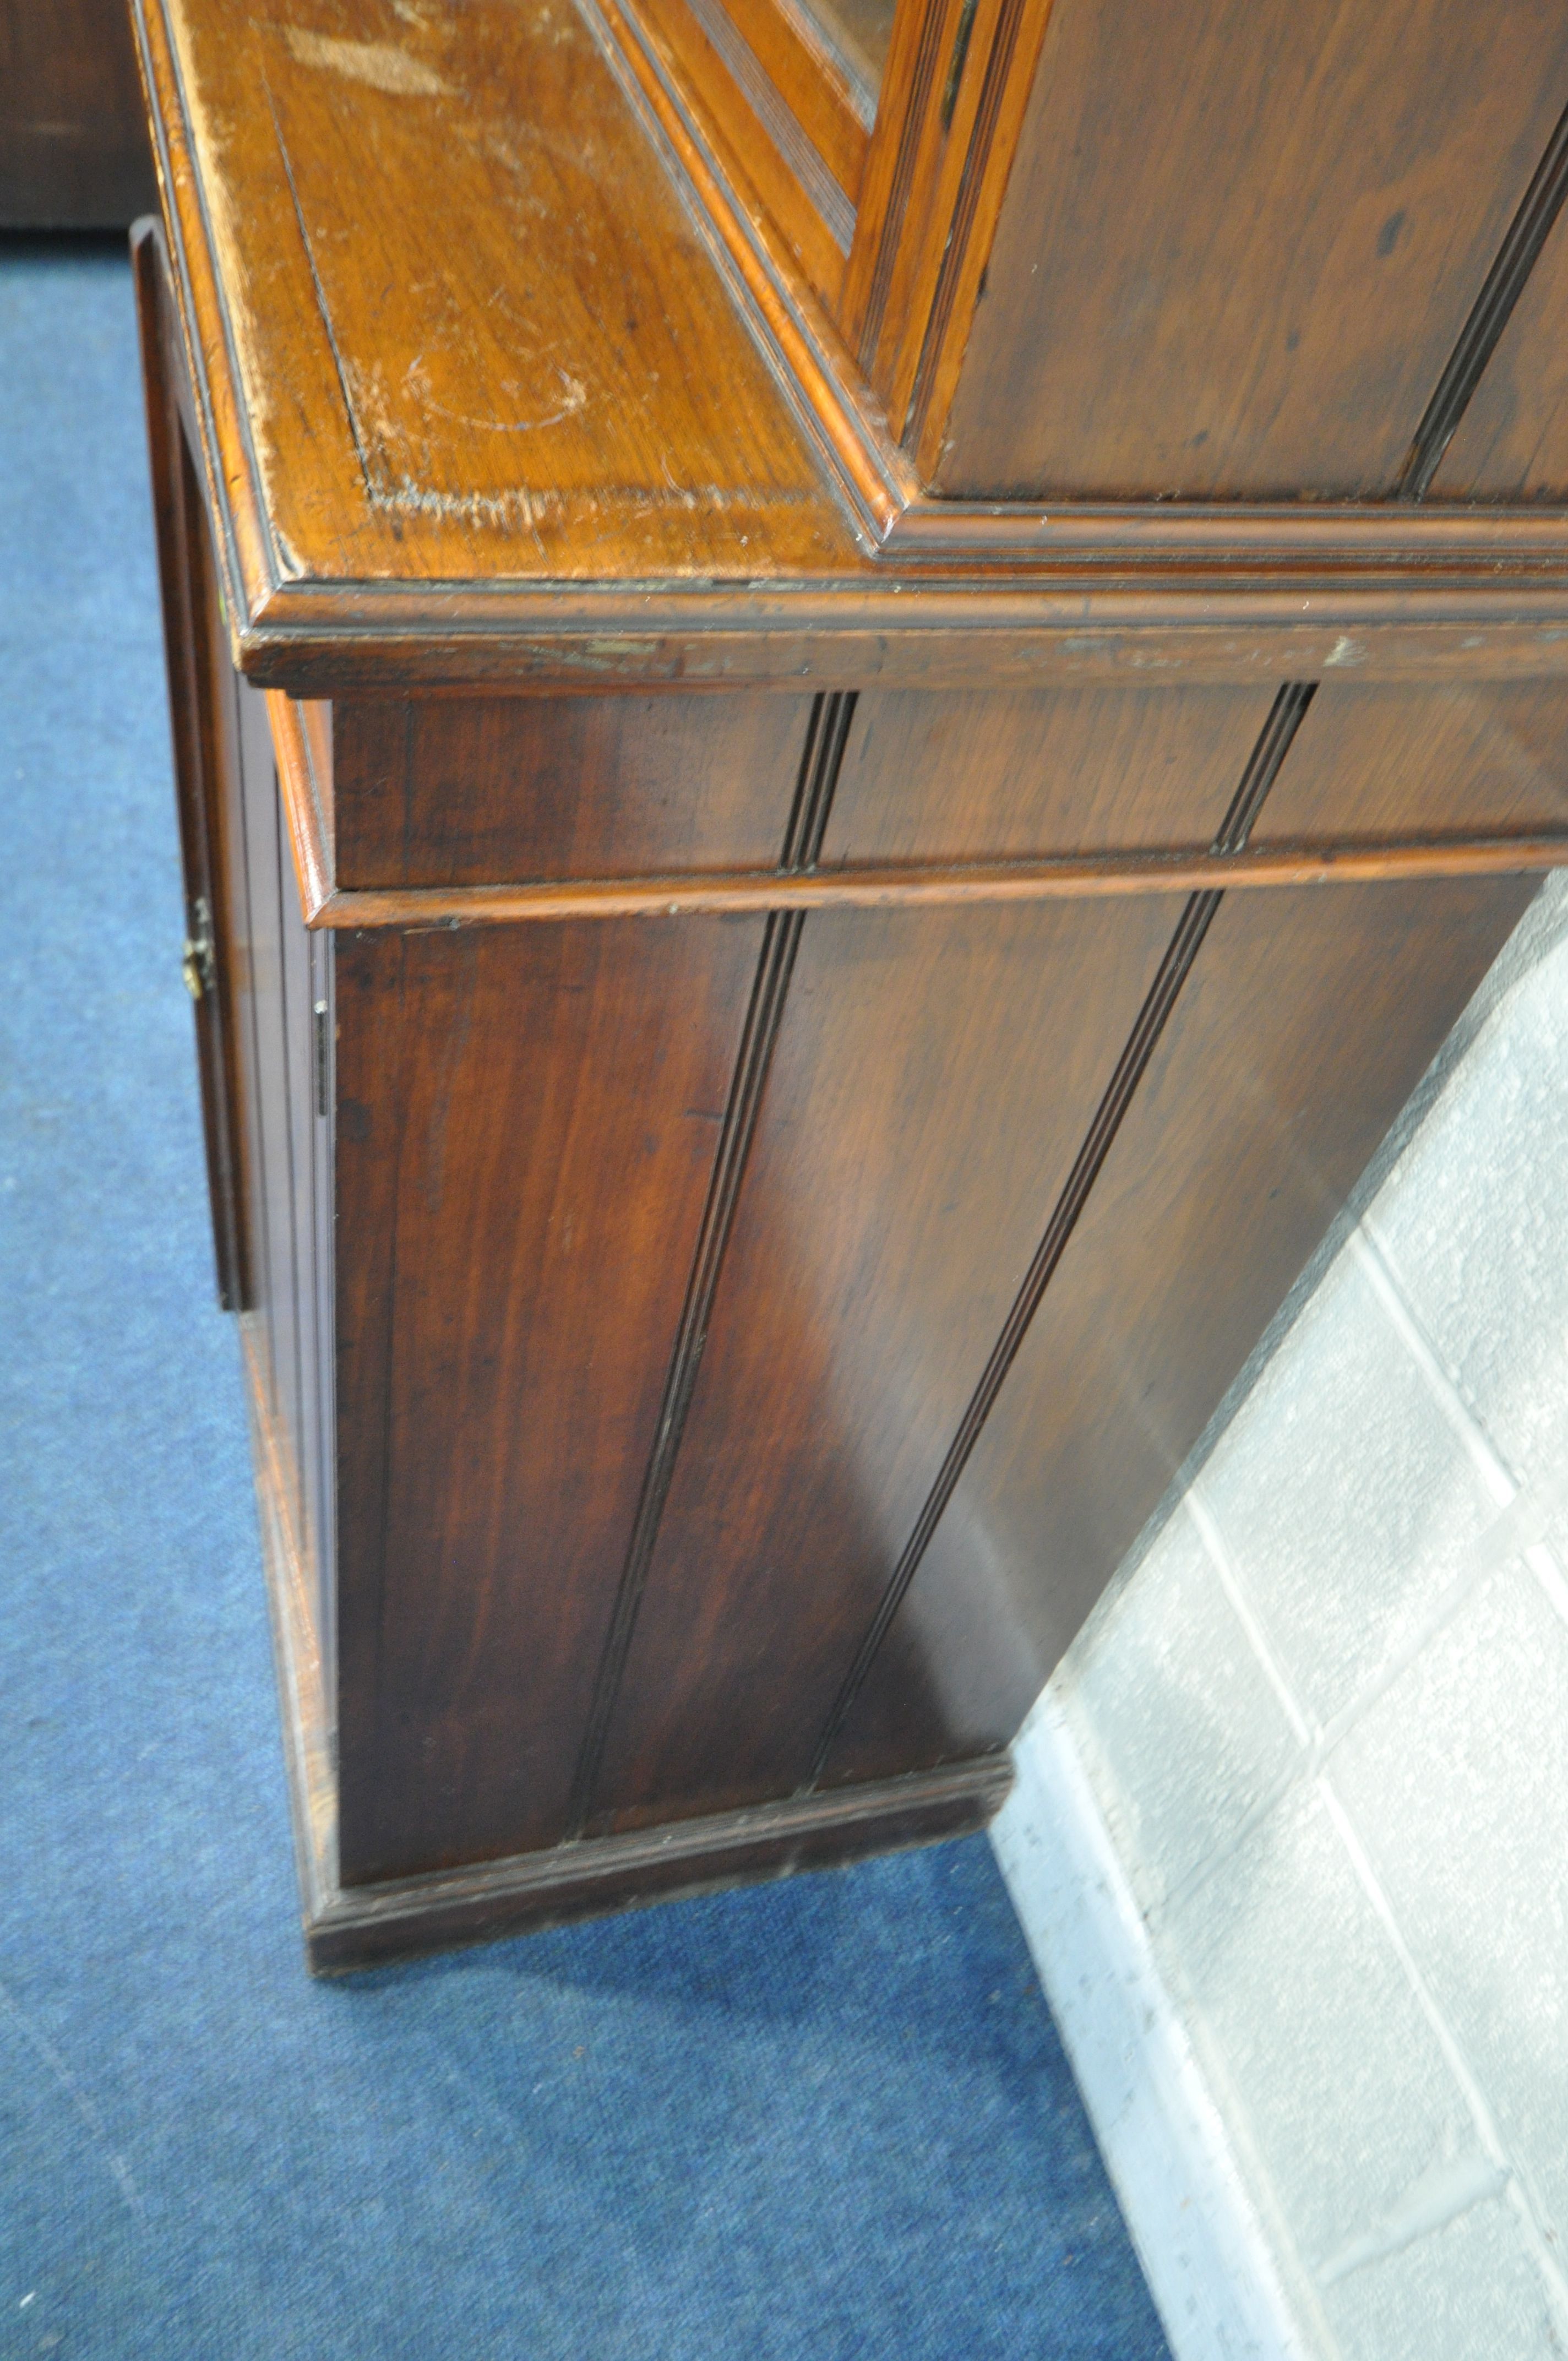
<point>1512,442</point>
<point>1276,223</point>
<point>526,363</point>
<point>687,482</point>
<point>1049,770</point>
<point>526,1124</point>
<point>196,670</point>
<point>934,1074</point>
<point>457,791</point>
<point>799,164</point>
<point>1490,759</point>
<point>761,1121</point>
<point>1306,1022</point>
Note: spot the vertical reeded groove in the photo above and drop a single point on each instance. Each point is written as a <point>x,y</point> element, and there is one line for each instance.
<point>1263,764</point>
<point>902,177</point>
<point>997,68</point>
<point>823,753</point>
<point>1490,315</point>
<point>1262,770</point>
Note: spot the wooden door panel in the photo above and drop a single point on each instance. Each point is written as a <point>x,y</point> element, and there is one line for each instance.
<point>1307,1021</point>
<point>526,1124</point>
<point>469,791</point>
<point>934,1075</point>
<point>1480,758</point>
<point>956,775</point>
<point>1240,243</point>
<point>194,664</point>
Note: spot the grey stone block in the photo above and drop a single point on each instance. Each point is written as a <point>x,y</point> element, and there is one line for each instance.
<point>1344,1496</point>
<point>1473,1220</point>
<point>1328,2068</point>
<point>1467,2293</point>
<point>1457,1782</point>
<point>1181,1713</point>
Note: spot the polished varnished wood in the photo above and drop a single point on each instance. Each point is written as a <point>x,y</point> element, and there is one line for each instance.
<point>1512,442</point>
<point>1053,771</point>
<point>1369,763</point>
<point>827,79</point>
<point>376,528</point>
<point>1305,1019</point>
<point>960,74</point>
<point>933,1077</point>
<point>800,158</point>
<point>526,1127</point>
<point>280,974</point>
<point>786,1004</point>
<point>1263,294</point>
<point>970,111</point>
<point>73,145</point>
<point>429,430</point>
<point>196,673</point>
<point>459,791</point>
<point>358,1926</point>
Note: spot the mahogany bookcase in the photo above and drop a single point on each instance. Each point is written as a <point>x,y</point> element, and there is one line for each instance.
<point>854,693</point>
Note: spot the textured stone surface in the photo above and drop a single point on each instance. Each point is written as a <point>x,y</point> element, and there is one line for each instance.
<point>1473,1220</point>
<point>1344,1496</point>
<point>1188,1729</point>
<point>1458,1784</point>
<point>1467,2293</point>
<point>1338,2077</point>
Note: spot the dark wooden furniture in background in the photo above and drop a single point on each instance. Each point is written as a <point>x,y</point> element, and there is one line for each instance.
<point>73,143</point>
<point>855,692</point>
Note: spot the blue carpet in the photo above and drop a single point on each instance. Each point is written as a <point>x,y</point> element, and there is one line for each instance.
<point>826,2118</point>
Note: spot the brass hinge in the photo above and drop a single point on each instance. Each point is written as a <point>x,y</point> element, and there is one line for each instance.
<point>199,963</point>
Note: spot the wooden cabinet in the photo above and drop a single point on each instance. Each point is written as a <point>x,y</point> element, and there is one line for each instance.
<point>855,691</point>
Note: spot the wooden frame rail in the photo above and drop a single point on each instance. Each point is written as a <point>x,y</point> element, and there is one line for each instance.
<point>855,885</point>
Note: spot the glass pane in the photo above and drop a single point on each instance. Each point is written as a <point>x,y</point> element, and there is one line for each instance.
<point>858,31</point>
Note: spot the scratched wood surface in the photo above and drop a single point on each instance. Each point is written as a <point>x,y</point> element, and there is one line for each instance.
<point>523,362</point>
<point>527,417</point>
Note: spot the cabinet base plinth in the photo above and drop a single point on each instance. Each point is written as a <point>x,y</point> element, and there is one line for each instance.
<point>367,1926</point>
<point>362,1926</point>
